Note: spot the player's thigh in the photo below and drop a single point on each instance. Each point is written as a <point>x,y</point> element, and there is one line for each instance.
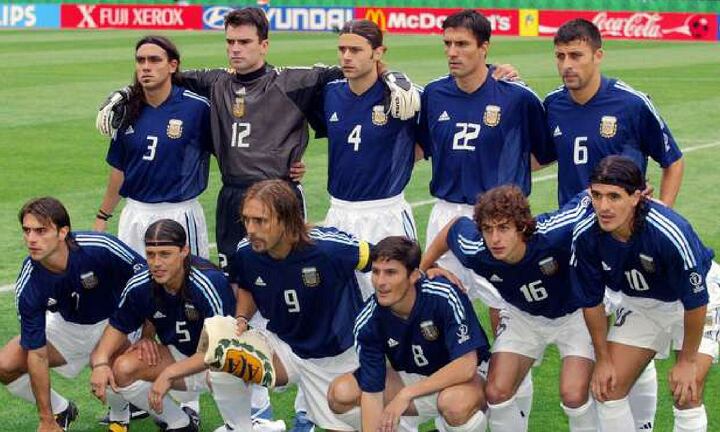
<point>629,362</point>
<point>506,372</point>
<point>129,367</point>
<point>13,360</point>
<point>575,380</point>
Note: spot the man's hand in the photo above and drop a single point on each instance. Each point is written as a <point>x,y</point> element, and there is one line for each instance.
<point>434,272</point>
<point>505,72</point>
<point>112,112</point>
<point>147,350</point>
<point>682,379</point>
<point>158,391</point>
<point>603,380</point>
<point>297,171</point>
<point>101,377</point>
<point>392,413</point>
<point>100,225</point>
<point>404,99</point>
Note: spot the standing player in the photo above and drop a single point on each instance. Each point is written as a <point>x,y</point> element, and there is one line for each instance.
<point>176,292</point>
<point>429,333</point>
<point>592,116</point>
<point>160,157</point>
<point>68,287</point>
<point>526,259</point>
<point>652,256</point>
<point>371,154</point>
<point>479,133</point>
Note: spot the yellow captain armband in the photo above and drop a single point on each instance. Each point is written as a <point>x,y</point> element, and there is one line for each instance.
<point>364,255</point>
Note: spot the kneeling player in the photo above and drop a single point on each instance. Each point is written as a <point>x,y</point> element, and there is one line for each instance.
<point>428,331</point>
<point>526,260</point>
<point>653,258</point>
<point>175,293</point>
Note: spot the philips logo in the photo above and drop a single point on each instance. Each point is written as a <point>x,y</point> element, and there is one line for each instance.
<point>214,17</point>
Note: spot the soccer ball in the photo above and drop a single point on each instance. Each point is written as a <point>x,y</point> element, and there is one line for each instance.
<point>699,27</point>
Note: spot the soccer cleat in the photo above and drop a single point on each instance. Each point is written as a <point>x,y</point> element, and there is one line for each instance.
<point>135,414</point>
<point>65,418</point>
<point>194,416</point>
<point>118,427</point>
<point>302,423</point>
<point>262,425</point>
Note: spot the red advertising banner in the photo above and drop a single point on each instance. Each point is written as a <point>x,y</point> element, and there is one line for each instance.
<point>429,20</point>
<point>637,25</point>
<point>102,16</point>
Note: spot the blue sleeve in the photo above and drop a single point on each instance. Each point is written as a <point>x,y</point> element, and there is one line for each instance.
<point>559,224</point>
<point>655,137</point>
<point>465,241</point>
<point>423,129</point>
<point>552,153</point>
<point>206,134</point>
<point>586,278</point>
<point>463,333</point>
<point>125,261</point>
<point>350,253</point>
<point>31,311</point>
<point>208,298</point>
<point>687,269</point>
<point>116,155</point>
<point>371,373</point>
<point>541,143</point>
<point>129,315</point>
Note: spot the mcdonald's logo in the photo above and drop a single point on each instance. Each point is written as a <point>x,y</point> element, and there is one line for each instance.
<point>378,17</point>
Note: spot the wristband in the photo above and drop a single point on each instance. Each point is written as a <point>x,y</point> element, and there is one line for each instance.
<point>101,214</point>
<point>97,365</point>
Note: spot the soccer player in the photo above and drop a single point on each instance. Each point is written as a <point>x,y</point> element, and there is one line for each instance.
<point>592,116</point>
<point>67,288</point>
<point>479,133</point>
<point>653,258</point>
<point>303,281</point>
<point>160,157</point>
<point>428,332</point>
<point>371,154</point>
<point>526,259</point>
<point>175,293</point>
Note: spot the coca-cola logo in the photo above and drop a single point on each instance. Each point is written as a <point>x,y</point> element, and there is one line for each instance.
<point>648,26</point>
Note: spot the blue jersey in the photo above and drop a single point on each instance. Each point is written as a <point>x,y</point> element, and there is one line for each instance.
<point>311,297</point>
<point>371,153</point>
<point>539,283</point>
<point>618,120</point>
<point>663,260</point>
<point>87,292</point>
<point>441,328</point>
<point>481,140</point>
<point>178,319</point>
<point>165,154</point>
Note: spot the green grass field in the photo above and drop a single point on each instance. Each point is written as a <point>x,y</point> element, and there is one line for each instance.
<point>51,83</point>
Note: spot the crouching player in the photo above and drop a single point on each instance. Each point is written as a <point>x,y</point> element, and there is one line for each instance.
<point>653,258</point>
<point>526,260</point>
<point>428,331</point>
<point>175,293</point>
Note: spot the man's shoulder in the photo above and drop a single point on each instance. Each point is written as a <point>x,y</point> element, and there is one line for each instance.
<point>100,244</point>
<point>517,89</point>
<point>437,83</point>
<point>556,96</point>
<point>192,99</point>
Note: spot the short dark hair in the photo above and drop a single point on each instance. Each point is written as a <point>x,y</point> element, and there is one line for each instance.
<point>165,232</point>
<point>365,28</point>
<point>250,16</point>
<point>579,29</point>
<point>398,248</point>
<point>505,202</point>
<point>283,204</point>
<point>471,20</point>
<point>47,210</point>
<point>619,171</point>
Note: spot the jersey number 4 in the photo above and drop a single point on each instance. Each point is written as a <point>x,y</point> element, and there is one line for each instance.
<point>354,137</point>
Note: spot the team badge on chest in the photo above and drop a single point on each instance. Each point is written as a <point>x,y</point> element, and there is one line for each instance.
<point>492,115</point>
<point>238,107</point>
<point>191,313</point>
<point>429,330</point>
<point>379,118</point>
<point>647,262</point>
<point>548,266</point>
<point>608,126</point>
<point>174,128</point>
<point>89,280</point>
<point>311,276</point>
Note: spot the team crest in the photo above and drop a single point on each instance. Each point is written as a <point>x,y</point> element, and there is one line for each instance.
<point>492,115</point>
<point>174,129</point>
<point>429,330</point>
<point>311,276</point>
<point>548,266</point>
<point>379,118</point>
<point>191,313</point>
<point>89,280</point>
<point>238,107</point>
<point>608,126</point>
<point>648,263</point>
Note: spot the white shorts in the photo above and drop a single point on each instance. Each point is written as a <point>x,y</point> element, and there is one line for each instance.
<point>73,341</point>
<point>478,287</point>
<point>313,377</point>
<point>529,335</point>
<point>137,216</point>
<point>195,382</point>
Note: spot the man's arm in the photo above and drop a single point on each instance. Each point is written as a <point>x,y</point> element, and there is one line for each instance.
<point>245,308</point>
<point>200,81</point>
<point>111,199</point>
<point>371,408</point>
<point>102,376</point>
<point>603,379</point>
<point>176,371</point>
<point>683,375</point>
<point>670,182</point>
<point>39,370</point>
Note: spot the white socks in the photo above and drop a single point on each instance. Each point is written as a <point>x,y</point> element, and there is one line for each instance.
<point>477,423</point>
<point>643,398</point>
<point>524,397</point>
<point>21,388</point>
<point>232,397</point>
<point>506,416</point>
<point>137,394</point>
<point>582,418</point>
<point>690,420</point>
<point>615,416</point>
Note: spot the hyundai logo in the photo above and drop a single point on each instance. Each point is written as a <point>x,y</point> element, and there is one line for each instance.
<point>214,17</point>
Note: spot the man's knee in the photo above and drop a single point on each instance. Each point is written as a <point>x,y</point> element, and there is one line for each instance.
<point>497,394</point>
<point>126,368</point>
<point>13,362</point>
<point>575,395</point>
<point>343,394</point>
<point>456,406</point>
